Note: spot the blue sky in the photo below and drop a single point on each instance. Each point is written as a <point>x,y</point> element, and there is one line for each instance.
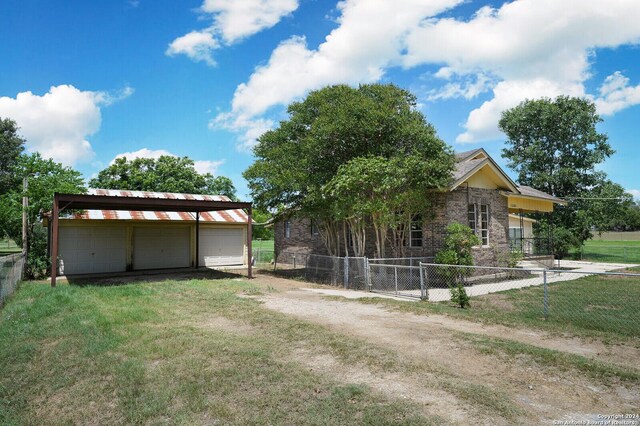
<point>88,81</point>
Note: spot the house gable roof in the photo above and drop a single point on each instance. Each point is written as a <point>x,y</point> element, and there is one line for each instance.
<point>469,163</point>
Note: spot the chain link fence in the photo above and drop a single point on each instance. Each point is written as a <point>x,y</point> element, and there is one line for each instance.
<point>346,272</point>
<point>606,301</point>
<point>10,274</point>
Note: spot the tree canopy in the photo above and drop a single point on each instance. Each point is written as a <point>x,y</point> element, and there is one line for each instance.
<point>311,162</point>
<point>165,174</point>
<point>11,146</point>
<point>45,177</point>
<point>554,146</point>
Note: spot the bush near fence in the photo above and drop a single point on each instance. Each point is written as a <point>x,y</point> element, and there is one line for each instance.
<point>11,268</point>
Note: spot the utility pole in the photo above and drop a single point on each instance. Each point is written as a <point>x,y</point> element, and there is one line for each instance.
<point>25,205</point>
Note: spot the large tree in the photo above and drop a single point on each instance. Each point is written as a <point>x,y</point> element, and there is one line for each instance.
<point>165,174</point>
<point>45,177</point>
<point>11,146</point>
<point>553,145</point>
<point>328,129</point>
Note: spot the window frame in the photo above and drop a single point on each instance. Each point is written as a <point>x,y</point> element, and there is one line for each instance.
<point>416,230</point>
<point>287,229</point>
<point>485,217</point>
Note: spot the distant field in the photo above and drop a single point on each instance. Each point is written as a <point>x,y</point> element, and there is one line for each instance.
<point>262,251</point>
<point>612,251</point>
<point>263,245</point>
<point>8,246</point>
<point>617,236</point>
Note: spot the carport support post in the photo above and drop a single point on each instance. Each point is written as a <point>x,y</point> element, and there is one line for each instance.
<point>249,250</point>
<point>197,240</point>
<point>54,241</point>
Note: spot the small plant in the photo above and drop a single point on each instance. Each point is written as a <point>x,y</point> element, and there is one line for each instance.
<point>459,295</point>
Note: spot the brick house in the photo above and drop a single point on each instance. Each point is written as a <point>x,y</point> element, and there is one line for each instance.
<point>482,196</point>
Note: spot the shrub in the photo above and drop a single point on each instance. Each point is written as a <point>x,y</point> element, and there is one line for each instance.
<point>457,251</point>
<point>459,295</point>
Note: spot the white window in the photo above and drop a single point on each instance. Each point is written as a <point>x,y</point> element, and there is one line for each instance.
<point>484,224</point>
<point>287,229</point>
<point>415,235</point>
<point>472,216</point>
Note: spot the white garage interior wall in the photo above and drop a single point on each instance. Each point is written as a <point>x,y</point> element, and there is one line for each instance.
<point>92,249</point>
<point>86,248</point>
<point>221,246</point>
<point>161,247</point>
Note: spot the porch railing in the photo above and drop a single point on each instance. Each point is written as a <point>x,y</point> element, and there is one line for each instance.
<point>531,246</point>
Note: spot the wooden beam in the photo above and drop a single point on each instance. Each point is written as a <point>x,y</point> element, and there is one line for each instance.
<point>249,237</point>
<point>108,202</point>
<point>54,241</point>
<point>197,240</point>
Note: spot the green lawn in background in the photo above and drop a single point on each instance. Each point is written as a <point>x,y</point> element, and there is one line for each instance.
<point>263,245</point>
<point>593,307</point>
<point>8,246</point>
<point>611,251</point>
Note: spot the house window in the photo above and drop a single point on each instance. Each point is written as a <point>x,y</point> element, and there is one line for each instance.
<point>472,216</point>
<point>314,227</point>
<point>287,229</point>
<point>484,224</point>
<point>415,235</point>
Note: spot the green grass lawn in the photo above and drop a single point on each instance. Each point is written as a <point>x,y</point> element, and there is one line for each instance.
<point>611,251</point>
<point>594,307</point>
<point>8,246</point>
<point>265,245</point>
<point>263,251</point>
<point>176,352</point>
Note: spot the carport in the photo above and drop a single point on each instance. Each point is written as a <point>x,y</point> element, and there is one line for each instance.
<point>143,202</point>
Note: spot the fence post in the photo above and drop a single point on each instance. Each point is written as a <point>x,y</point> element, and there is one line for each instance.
<point>423,294</point>
<point>395,273</point>
<point>546,295</point>
<point>346,272</point>
<point>294,262</point>
<point>367,274</point>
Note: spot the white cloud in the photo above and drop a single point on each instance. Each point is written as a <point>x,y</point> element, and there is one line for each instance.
<point>142,153</point>
<point>616,94</point>
<point>366,42</point>
<point>205,166</point>
<point>525,48</point>
<point>482,123</point>
<point>201,166</point>
<point>533,47</point>
<point>197,45</point>
<point>233,21</point>
<point>635,193</point>
<point>467,88</point>
<point>58,123</point>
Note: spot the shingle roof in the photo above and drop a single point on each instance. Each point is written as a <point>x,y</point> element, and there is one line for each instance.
<point>466,154</point>
<point>462,168</point>
<point>222,216</point>
<point>527,191</point>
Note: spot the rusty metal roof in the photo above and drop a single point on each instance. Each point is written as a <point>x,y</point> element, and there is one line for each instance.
<point>221,216</point>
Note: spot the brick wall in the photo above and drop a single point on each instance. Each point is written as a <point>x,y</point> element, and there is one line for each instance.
<point>448,208</point>
<point>300,239</point>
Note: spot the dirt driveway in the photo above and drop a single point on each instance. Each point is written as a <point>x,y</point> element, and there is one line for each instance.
<point>453,374</point>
